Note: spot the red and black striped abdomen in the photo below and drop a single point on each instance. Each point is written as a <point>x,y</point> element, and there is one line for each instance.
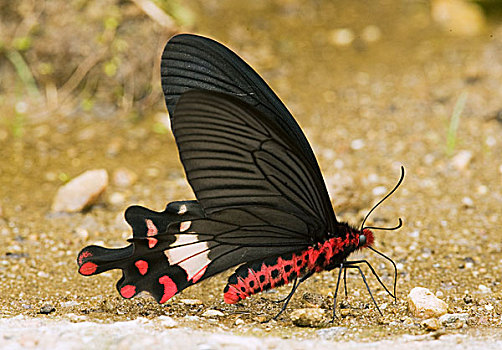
<point>257,276</point>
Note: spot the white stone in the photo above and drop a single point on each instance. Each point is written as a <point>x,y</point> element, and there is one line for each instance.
<point>461,160</point>
<point>81,192</point>
<point>452,318</point>
<point>212,313</point>
<point>371,33</point>
<point>342,36</point>
<point>307,317</point>
<point>423,303</point>
<point>167,322</point>
<point>379,191</point>
<point>191,301</point>
<point>124,177</point>
<point>467,202</point>
<point>357,144</point>
<point>116,198</point>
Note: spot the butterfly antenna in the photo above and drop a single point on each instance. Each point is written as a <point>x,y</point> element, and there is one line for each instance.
<point>401,178</point>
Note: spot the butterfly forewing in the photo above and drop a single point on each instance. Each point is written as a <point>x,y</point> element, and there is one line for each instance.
<point>266,168</point>
<point>194,62</point>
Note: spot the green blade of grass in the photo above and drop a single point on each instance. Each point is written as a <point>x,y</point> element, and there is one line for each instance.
<point>24,72</point>
<point>451,139</point>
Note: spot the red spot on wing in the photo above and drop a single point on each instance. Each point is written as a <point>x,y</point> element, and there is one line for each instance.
<point>142,266</point>
<point>88,268</point>
<point>83,255</point>
<point>128,291</point>
<point>152,242</point>
<point>152,229</point>
<point>198,275</point>
<point>170,288</point>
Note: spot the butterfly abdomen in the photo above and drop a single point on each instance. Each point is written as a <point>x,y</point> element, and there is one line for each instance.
<point>258,276</point>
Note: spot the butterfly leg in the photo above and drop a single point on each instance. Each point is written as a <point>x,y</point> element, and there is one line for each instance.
<point>290,295</point>
<point>349,266</point>
<point>345,282</point>
<point>354,262</point>
<point>342,268</point>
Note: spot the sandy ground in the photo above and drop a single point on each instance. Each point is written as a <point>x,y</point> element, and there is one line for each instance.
<point>29,333</point>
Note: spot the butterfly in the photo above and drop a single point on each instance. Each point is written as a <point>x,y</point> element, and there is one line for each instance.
<point>262,204</point>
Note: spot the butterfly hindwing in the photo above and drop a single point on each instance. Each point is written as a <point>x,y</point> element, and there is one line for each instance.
<point>144,264</point>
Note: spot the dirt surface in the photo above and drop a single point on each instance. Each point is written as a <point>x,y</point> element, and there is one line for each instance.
<point>366,108</point>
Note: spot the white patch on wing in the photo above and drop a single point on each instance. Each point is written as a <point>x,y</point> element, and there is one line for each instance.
<point>185,239</point>
<point>182,210</point>
<point>189,254</point>
<point>185,225</point>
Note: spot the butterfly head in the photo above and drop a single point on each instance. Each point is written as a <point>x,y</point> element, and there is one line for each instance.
<point>366,239</point>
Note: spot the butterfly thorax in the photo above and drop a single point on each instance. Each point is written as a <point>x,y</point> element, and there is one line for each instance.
<point>257,276</point>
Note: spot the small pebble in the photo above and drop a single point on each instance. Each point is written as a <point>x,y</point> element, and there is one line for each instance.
<point>114,147</point>
<point>82,233</point>
<point>313,300</point>
<point>378,191</point>
<point>124,177</point>
<point>371,33</point>
<point>452,318</point>
<point>308,317</point>
<point>116,198</point>
<point>461,160</point>
<point>191,301</point>
<point>42,274</point>
<point>331,332</point>
<point>357,144</point>
<point>344,312</point>
<point>423,303</point>
<point>212,313</point>
<point>491,141</point>
<point>167,322</point>
<point>47,309</point>
<point>239,322</point>
<point>484,289</point>
<point>81,192</point>
<point>342,36</point>
<point>482,189</point>
<point>408,322</point>
<point>467,202</point>
<point>431,324</point>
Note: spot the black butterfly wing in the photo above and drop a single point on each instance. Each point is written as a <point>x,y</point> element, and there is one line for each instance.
<point>259,188</point>
<point>143,263</point>
<point>173,249</point>
<point>234,157</point>
<point>256,199</point>
<point>194,62</point>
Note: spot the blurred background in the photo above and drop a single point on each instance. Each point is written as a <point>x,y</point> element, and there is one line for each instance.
<point>102,57</point>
